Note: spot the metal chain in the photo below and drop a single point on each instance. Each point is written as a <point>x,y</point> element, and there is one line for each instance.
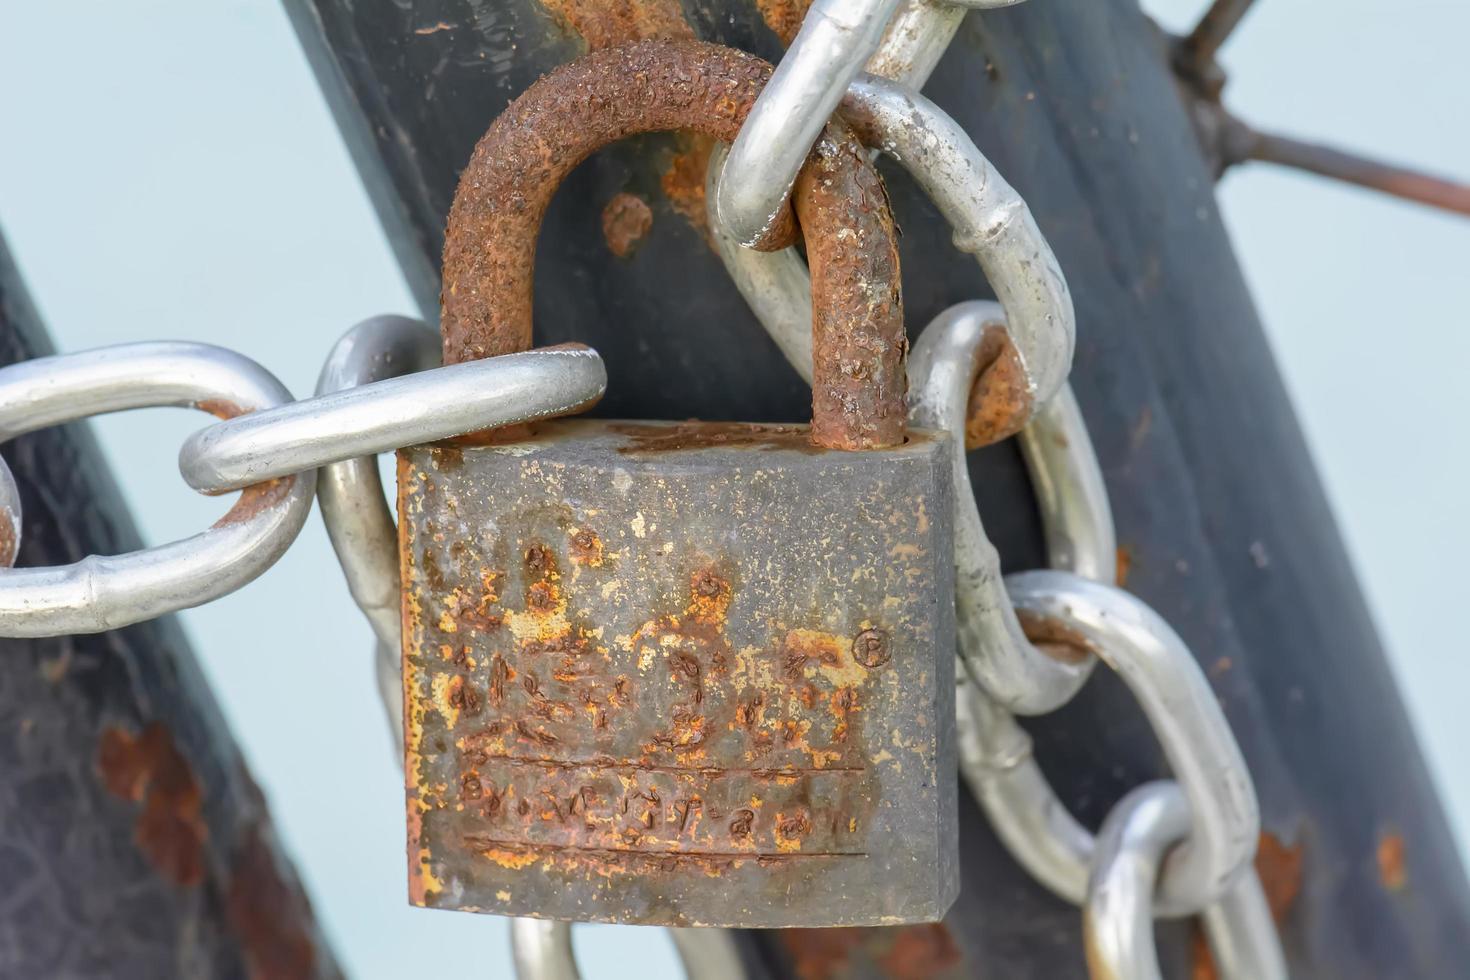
<point>1212,837</point>
<point>1027,642</point>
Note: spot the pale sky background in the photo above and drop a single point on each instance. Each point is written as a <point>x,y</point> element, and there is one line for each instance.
<point>169,170</point>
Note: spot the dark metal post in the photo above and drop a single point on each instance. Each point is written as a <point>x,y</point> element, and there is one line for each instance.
<point>133,842</point>
<point>1223,524</point>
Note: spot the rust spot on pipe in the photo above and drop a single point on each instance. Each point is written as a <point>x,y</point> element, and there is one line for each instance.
<point>683,181</point>
<point>917,952</point>
<point>651,86</point>
<point>1124,565</point>
<point>149,769</point>
<point>1392,870</point>
<point>604,23</point>
<point>626,219</point>
<point>1279,867</point>
<point>266,914</point>
<point>783,17</point>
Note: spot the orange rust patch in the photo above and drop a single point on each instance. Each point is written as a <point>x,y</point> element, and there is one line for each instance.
<point>1054,639</point>
<point>266,913</point>
<point>1391,868</point>
<point>149,768</point>
<point>1000,399</point>
<point>256,498</point>
<point>625,221</point>
<point>708,435</point>
<point>709,596</point>
<point>917,952</point>
<point>220,408</point>
<point>920,952</point>
<point>1280,869</point>
<point>783,17</point>
<point>586,548</point>
<point>683,181</point>
<point>604,23</point>
<point>1124,565</point>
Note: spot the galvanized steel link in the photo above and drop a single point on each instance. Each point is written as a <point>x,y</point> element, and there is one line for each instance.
<point>1118,917</point>
<point>836,39</point>
<point>398,411</point>
<point>106,592</point>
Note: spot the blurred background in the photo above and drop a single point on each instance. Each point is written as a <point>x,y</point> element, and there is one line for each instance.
<point>168,169</point>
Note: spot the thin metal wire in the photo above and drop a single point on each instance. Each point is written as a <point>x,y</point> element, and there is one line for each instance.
<point>1214,28</point>
<point>1241,142</point>
<point>106,592</point>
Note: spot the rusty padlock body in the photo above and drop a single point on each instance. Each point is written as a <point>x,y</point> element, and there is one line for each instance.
<point>680,673</point>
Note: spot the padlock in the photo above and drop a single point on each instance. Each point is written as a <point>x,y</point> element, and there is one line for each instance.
<point>680,673</point>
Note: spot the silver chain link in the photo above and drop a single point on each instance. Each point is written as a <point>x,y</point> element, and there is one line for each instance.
<point>1176,847</point>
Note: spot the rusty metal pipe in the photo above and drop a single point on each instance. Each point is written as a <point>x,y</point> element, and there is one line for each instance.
<point>650,86</point>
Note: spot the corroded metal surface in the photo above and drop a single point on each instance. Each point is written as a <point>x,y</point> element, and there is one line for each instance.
<point>650,86</point>
<point>639,693</point>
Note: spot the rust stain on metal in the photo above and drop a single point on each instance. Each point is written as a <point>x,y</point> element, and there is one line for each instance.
<point>646,439</point>
<point>653,86</point>
<point>1279,867</point>
<point>220,408</point>
<point>256,498</point>
<point>586,548</point>
<point>683,181</point>
<point>605,23</point>
<point>265,913</point>
<point>598,705</point>
<point>1392,870</point>
<point>1124,565</point>
<point>1000,398</point>
<point>626,219</point>
<point>783,17</point>
<point>1054,639</point>
<point>918,952</point>
<point>148,768</point>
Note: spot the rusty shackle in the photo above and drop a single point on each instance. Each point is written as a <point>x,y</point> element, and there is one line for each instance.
<point>859,346</point>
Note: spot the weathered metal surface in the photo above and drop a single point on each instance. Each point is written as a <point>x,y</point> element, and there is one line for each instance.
<point>1221,519</point>
<point>650,86</point>
<point>133,841</point>
<point>693,674</point>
